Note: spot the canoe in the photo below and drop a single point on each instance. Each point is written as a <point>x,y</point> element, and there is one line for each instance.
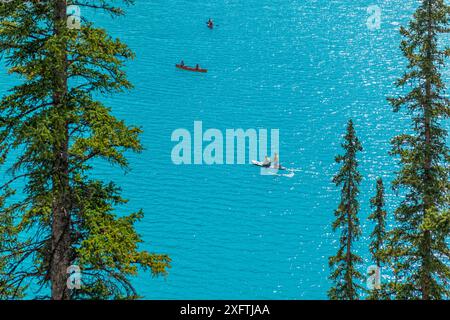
<point>179,66</point>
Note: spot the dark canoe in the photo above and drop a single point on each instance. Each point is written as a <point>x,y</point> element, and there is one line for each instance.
<point>179,66</point>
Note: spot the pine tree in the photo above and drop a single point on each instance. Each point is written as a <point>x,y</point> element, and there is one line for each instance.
<point>8,252</point>
<point>419,243</point>
<point>56,129</point>
<point>378,216</point>
<point>344,264</point>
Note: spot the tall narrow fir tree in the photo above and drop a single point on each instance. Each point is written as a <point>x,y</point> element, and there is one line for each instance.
<point>345,275</point>
<point>378,236</point>
<point>419,243</point>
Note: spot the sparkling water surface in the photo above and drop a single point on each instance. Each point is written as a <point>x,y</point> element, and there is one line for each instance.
<point>304,67</point>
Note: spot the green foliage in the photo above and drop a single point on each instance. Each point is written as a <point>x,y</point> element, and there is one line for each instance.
<point>344,264</point>
<point>379,217</point>
<point>107,246</point>
<point>378,236</point>
<point>8,251</point>
<point>56,126</point>
<point>419,242</point>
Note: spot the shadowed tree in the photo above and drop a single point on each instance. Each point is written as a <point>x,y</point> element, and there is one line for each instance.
<point>345,275</point>
<point>419,244</point>
<point>56,128</point>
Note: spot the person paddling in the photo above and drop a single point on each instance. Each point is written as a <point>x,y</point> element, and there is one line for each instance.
<point>266,163</point>
<point>276,161</point>
<point>210,23</point>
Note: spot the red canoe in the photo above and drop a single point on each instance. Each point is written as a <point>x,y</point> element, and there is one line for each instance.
<point>179,66</point>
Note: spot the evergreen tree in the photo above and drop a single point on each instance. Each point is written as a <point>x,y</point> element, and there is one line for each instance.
<point>56,129</point>
<point>378,216</point>
<point>419,244</point>
<point>8,252</point>
<point>344,264</point>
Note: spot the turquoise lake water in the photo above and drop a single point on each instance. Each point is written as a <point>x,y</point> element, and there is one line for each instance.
<point>304,67</point>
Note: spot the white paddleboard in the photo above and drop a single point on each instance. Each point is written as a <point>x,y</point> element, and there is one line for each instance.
<point>260,164</point>
<point>257,163</point>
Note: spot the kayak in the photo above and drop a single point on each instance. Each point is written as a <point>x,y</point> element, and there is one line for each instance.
<point>261,164</point>
<point>179,66</point>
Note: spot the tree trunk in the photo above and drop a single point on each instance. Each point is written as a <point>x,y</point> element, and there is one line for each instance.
<point>61,221</point>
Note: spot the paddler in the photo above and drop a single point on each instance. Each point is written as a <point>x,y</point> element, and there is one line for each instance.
<point>276,161</point>
<point>266,162</point>
<point>210,23</point>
